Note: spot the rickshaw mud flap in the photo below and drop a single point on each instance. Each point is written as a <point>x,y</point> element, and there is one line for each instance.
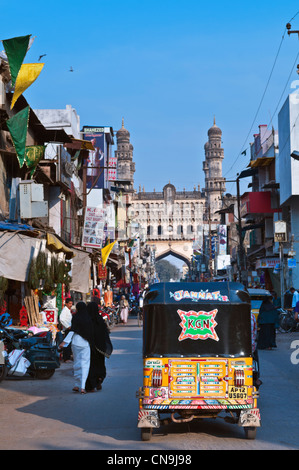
<point>148,419</point>
<point>250,418</point>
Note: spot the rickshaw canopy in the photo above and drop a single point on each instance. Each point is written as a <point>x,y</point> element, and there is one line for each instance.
<point>197,319</point>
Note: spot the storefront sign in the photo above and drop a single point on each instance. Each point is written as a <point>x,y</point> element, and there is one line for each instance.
<point>266,263</point>
<point>93,233</point>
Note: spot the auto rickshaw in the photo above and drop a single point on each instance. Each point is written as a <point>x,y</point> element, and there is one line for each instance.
<point>197,356</point>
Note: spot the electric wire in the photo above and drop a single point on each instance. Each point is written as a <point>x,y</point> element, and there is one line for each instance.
<point>264,93</point>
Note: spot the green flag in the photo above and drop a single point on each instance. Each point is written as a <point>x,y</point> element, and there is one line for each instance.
<point>16,49</point>
<point>33,154</point>
<point>17,126</point>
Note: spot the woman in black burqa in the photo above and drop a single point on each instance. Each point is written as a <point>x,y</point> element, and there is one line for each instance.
<point>268,321</point>
<point>102,345</point>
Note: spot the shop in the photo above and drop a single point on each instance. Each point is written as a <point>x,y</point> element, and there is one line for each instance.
<point>37,272</point>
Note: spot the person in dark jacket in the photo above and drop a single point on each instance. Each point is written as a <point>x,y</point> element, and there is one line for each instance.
<point>268,321</point>
<point>97,369</point>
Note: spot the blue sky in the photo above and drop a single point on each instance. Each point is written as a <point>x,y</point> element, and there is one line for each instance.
<point>167,67</point>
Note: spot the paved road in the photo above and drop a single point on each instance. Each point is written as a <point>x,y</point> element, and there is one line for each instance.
<point>37,415</point>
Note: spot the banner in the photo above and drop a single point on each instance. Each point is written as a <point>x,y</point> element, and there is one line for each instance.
<point>17,126</point>
<point>106,252</point>
<point>97,158</point>
<point>112,169</point>
<point>27,75</point>
<point>94,224</point>
<point>33,155</point>
<point>222,239</point>
<point>16,49</point>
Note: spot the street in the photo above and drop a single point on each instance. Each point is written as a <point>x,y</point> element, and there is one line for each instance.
<point>47,415</point>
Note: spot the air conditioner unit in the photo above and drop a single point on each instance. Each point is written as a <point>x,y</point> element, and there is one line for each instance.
<point>32,202</point>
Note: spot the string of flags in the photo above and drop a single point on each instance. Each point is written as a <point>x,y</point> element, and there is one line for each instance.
<point>22,77</point>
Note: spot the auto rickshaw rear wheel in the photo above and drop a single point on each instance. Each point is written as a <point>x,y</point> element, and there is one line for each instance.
<point>250,432</point>
<point>146,434</point>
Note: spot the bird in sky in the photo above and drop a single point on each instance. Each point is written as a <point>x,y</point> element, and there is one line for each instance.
<point>41,56</point>
<point>71,69</point>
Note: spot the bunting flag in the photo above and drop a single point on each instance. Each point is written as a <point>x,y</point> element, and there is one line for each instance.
<point>16,49</point>
<point>106,252</point>
<point>27,75</point>
<point>33,155</point>
<point>17,126</point>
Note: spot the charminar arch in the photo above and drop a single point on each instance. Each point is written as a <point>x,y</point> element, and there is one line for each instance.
<point>174,220</point>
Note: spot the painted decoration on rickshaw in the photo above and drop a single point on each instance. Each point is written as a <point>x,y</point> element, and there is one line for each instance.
<point>198,296</point>
<point>198,325</point>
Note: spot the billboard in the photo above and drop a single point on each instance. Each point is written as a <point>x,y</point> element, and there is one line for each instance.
<point>99,226</point>
<point>97,159</point>
<point>222,239</point>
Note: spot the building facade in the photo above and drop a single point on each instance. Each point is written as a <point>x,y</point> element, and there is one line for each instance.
<point>173,220</point>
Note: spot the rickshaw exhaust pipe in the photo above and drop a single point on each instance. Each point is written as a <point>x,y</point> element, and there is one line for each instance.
<point>181,420</point>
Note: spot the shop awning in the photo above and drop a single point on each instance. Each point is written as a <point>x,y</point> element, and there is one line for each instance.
<point>78,144</point>
<point>262,161</point>
<point>247,173</point>
<point>55,244</point>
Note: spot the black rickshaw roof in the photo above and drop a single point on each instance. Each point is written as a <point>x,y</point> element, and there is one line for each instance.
<point>197,292</point>
<point>197,319</point>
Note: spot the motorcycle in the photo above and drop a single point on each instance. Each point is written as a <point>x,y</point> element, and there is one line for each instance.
<point>39,352</point>
<point>107,316</point>
<point>110,315</point>
<point>286,320</point>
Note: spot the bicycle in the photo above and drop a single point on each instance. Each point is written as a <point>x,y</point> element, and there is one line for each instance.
<point>287,322</point>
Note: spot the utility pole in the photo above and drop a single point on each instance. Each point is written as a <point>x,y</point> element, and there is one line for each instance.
<point>242,261</point>
<point>241,251</point>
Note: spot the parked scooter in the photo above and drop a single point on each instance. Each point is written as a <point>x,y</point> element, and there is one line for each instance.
<point>39,351</point>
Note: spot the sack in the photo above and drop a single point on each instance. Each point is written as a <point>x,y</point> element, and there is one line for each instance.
<point>19,364</point>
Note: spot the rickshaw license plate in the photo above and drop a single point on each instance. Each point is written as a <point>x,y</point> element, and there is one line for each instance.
<point>237,392</point>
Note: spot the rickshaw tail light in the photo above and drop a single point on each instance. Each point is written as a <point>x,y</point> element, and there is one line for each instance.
<point>239,378</point>
<point>157,378</point>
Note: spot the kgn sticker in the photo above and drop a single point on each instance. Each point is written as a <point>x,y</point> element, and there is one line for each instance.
<point>198,325</point>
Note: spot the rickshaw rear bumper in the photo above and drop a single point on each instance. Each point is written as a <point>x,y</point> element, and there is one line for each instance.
<point>149,418</point>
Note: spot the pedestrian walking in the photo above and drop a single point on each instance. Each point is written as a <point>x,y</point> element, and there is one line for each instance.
<point>268,321</point>
<point>65,320</point>
<point>97,370</point>
<point>81,339</point>
<point>124,309</point>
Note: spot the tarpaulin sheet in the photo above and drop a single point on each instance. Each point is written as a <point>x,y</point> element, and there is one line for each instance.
<point>16,252</point>
<point>15,226</point>
<point>80,272</point>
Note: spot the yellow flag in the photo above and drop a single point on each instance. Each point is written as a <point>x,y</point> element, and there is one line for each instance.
<point>106,252</point>
<point>27,75</point>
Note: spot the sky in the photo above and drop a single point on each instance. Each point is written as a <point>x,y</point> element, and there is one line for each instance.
<point>167,67</point>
